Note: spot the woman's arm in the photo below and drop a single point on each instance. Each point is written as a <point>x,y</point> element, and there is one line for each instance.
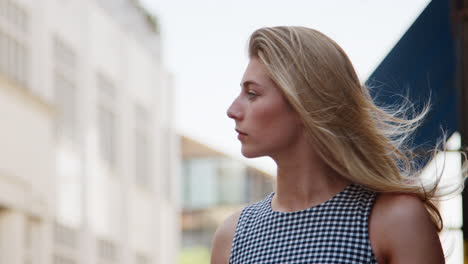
<point>401,231</point>
<point>221,246</point>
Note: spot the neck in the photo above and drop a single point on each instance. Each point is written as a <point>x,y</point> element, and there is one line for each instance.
<point>304,180</point>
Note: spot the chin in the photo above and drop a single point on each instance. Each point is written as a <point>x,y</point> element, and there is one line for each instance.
<point>251,154</point>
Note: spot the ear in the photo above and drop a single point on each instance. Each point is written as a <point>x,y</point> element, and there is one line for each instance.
<point>300,122</point>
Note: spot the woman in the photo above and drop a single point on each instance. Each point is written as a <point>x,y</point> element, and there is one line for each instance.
<point>346,191</point>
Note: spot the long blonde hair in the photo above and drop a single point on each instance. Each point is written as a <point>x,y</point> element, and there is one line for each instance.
<point>360,140</point>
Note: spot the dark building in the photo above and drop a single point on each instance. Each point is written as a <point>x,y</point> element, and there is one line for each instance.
<point>430,63</point>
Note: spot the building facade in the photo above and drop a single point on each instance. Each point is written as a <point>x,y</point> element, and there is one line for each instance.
<point>215,186</point>
<point>88,155</point>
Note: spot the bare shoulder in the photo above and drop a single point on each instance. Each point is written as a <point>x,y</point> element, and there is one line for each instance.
<point>401,231</point>
<point>222,240</point>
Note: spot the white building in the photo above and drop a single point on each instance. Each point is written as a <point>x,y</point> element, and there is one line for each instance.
<point>88,154</point>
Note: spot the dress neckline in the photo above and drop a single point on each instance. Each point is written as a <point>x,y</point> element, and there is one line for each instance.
<point>334,197</point>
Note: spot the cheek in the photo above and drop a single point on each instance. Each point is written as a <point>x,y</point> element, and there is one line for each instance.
<point>283,132</point>
<point>266,117</point>
<point>276,123</point>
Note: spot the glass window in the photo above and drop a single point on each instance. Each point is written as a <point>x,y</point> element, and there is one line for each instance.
<point>232,182</point>
<point>65,99</point>
<point>142,147</point>
<point>63,260</point>
<point>142,259</point>
<point>141,159</point>
<point>106,126</point>
<point>14,57</point>
<point>64,57</point>
<point>166,163</point>
<point>65,236</point>
<point>106,89</point>
<point>106,250</point>
<point>107,121</point>
<point>2,9</point>
<point>201,177</point>
<point>3,52</point>
<point>65,92</point>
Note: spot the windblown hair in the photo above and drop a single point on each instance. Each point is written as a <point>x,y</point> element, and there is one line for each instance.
<point>361,141</point>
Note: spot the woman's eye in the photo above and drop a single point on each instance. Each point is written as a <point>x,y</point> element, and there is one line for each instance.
<point>251,95</point>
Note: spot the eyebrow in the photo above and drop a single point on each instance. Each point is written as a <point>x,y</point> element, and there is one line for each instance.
<point>247,83</point>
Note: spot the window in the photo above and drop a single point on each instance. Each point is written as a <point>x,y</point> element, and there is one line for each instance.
<point>14,55</point>
<point>107,143</point>
<point>166,164</point>
<point>231,182</point>
<point>64,56</point>
<point>65,100</point>
<point>107,124</point>
<point>65,237</point>
<point>63,260</point>
<point>142,259</point>
<point>142,147</point>
<point>106,250</point>
<point>200,183</point>
<point>258,185</point>
<point>13,59</point>
<point>14,15</point>
<point>31,239</point>
<point>65,90</point>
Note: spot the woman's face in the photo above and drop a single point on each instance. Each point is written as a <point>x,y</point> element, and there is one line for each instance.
<point>266,124</point>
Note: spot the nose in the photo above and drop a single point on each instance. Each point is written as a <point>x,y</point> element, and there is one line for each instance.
<point>234,111</point>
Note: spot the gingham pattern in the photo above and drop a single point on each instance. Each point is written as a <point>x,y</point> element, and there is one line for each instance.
<point>335,231</point>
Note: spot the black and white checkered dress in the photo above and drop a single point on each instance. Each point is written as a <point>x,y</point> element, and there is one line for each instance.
<point>335,231</point>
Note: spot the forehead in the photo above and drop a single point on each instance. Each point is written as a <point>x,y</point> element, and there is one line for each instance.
<point>256,71</point>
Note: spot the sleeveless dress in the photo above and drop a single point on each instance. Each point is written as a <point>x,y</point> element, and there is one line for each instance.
<point>335,231</point>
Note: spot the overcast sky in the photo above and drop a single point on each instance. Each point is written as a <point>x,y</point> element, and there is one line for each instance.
<point>204,46</point>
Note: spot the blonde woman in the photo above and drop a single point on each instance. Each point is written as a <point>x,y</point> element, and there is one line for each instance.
<point>346,190</point>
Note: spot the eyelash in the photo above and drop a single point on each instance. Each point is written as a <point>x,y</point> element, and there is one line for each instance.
<point>251,95</point>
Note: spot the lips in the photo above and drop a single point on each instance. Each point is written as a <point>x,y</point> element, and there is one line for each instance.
<point>240,132</point>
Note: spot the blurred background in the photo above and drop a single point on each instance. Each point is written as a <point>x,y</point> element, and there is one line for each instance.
<point>115,146</point>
